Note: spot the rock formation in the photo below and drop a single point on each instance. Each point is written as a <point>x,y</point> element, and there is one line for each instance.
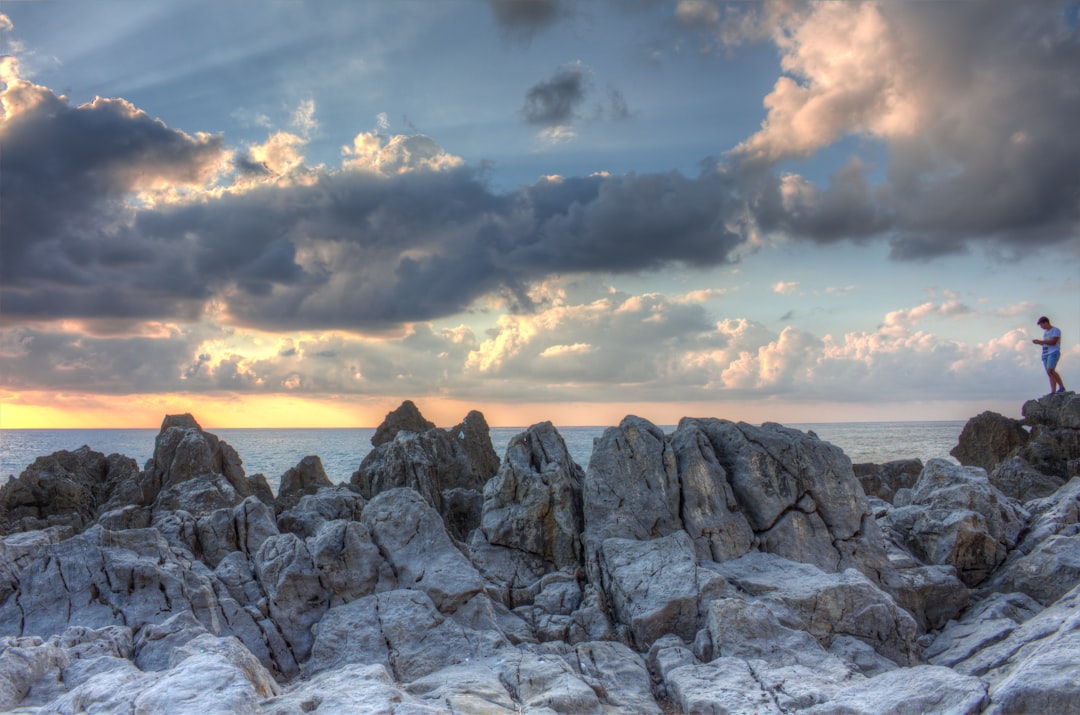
<point>723,567</point>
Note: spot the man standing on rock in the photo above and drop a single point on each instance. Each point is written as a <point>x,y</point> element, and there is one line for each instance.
<point>1051,353</point>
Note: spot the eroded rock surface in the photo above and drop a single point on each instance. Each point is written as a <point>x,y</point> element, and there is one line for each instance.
<point>723,567</point>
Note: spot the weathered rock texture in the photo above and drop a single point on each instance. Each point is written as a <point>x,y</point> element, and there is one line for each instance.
<point>723,567</point>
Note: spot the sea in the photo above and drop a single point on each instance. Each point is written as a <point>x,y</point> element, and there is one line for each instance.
<point>272,452</point>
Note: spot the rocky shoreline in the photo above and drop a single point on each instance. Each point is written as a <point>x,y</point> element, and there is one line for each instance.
<point>720,568</point>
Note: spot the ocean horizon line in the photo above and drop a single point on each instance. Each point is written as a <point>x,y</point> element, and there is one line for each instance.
<point>491,426</point>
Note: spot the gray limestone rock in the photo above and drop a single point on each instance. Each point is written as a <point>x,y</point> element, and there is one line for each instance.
<point>631,488</point>
<point>954,516</point>
<point>654,586</point>
<point>912,691</point>
<point>988,439</point>
<point>533,504</point>
<point>1021,481</point>
<point>401,630</point>
<point>826,605</point>
<point>66,488</point>
<point>413,540</point>
<point>311,511</point>
<point>307,477</point>
<point>406,418</point>
<point>883,480</point>
<point>1061,410</point>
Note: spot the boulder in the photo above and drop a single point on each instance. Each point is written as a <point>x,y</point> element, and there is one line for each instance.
<point>825,605</point>
<point>533,505</point>
<point>313,510</point>
<point>63,489</point>
<point>913,691</point>
<point>799,495</point>
<point>1016,478</point>
<point>955,517</point>
<point>988,439</point>
<point>413,540</point>
<point>631,488</point>
<point>654,586</point>
<point>1032,666</point>
<point>883,480</point>
<point>1060,410</point>
<point>448,469</point>
<point>183,451</point>
<point>307,477</point>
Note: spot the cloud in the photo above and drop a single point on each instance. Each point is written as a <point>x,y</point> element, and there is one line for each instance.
<point>555,101</point>
<point>785,287</point>
<point>524,18</point>
<point>584,342</point>
<point>401,232</point>
<point>972,101</point>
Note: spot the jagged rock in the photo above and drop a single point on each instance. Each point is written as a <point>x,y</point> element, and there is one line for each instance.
<point>347,561</point>
<point>18,550</point>
<point>1046,563</point>
<point>1017,479</point>
<point>313,510</point>
<point>1060,410</point>
<point>406,418</point>
<point>1033,668</point>
<point>307,477</point>
<point>296,597</point>
<point>465,688</point>
<point>401,630</point>
<point>216,678</point>
<point>198,496</point>
<point>826,604</point>
<point>413,540</point>
<point>799,495</point>
<point>883,480</point>
<point>621,674</point>
<point>914,691</point>
<point>748,560</point>
<point>154,645</point>
<point>1054,451</point>
<point>533,504</point>
<point>990,622</point>
<point>63,489</point>
<point>184,451</point>
<point>544,681</point>
<point>474,438</point>
<point>24,662</point>
<point>710,511</point>
<point>954,516</point>
<point>933,595</point>
<point>448,469</point>
<point>724,685</point>
<point>353,688</point>
<point>656,586</point>
<point>751,631</point>
<point>630,489</point>
<point>242,528</point>
<point>988,439</point>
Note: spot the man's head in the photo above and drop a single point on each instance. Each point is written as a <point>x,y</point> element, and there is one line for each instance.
<point>1043,322</point>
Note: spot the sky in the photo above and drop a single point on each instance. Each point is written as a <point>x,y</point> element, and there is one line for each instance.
<point>300,214</point>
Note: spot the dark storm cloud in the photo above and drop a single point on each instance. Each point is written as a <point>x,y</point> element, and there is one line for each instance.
<point>555,101</point>
<point>347,249</point>
<point>65,169</point>
<point>525,17</point>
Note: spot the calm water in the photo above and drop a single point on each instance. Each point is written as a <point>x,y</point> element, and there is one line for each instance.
<point>273,451</point>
